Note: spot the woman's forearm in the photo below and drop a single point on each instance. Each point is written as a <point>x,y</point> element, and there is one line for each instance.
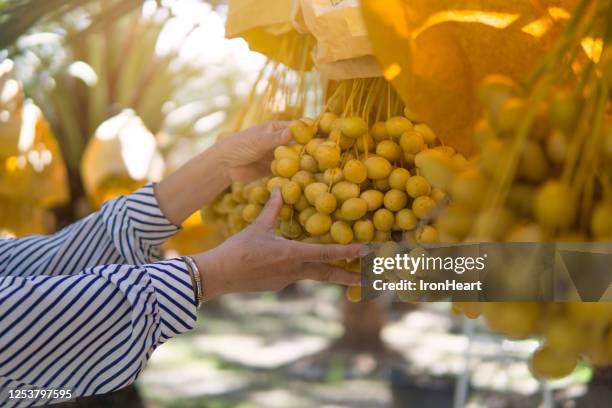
<point>192,186</point>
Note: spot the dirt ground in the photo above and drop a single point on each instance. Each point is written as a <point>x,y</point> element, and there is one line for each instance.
<point>279,351</point>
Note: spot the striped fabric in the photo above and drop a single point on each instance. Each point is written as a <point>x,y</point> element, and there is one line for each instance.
<point>83,309</point>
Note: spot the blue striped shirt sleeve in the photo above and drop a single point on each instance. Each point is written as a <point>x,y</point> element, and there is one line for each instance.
<point>127,230</point>
<point>90,332</point>
<point>137,226</point>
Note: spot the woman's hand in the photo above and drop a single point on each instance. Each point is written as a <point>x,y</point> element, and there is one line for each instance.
<point>258,260</point>
<point>246,155</point>
<point>243,156</point>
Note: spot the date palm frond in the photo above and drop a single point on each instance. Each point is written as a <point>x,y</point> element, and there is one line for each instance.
<point>17,17</point>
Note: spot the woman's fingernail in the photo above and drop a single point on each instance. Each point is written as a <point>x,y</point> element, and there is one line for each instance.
<point>364,251</point>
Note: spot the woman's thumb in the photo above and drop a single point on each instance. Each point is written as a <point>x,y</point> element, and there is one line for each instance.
<point>270,211</point>
<point>275,138</point>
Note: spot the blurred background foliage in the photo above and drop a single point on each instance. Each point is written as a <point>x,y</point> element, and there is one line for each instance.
<point>85,61</point>
<point>83,64</point>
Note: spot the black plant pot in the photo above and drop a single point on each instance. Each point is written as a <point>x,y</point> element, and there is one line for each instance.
<point>421,391</point>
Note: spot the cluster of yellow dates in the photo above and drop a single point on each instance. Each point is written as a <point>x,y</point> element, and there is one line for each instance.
<point>120,157</point>
<point>544,167</point>
<point>549,181</point>
<point>569,331</point>
<point>350,178</point>
<point>33,175</point>
<point>556,182</point>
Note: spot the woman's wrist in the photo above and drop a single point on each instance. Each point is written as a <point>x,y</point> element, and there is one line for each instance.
<point>211,275</point>
<point>192,186</point>
<point>217,154</point>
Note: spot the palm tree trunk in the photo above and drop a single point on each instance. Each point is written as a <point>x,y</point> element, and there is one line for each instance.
<point>363,323</point>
